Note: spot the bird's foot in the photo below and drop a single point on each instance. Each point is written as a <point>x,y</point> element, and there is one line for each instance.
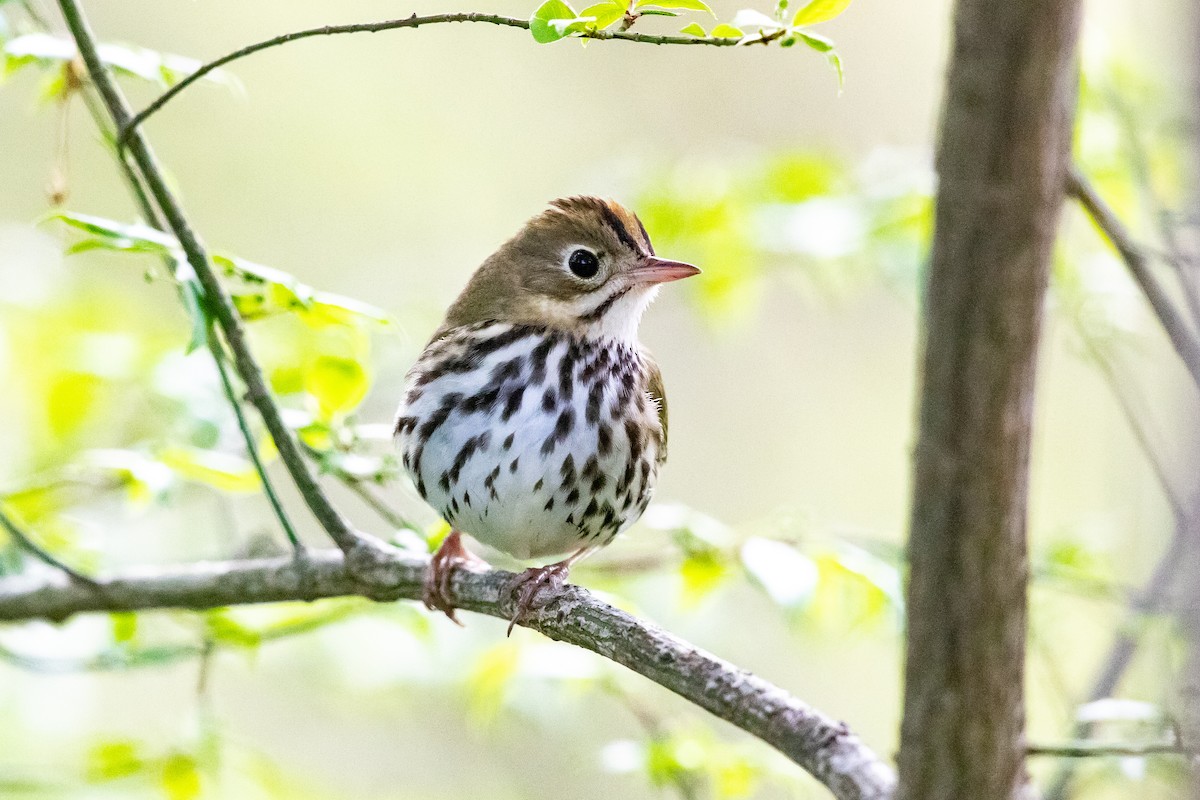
<point>452,555</point>
<point>529,587</point>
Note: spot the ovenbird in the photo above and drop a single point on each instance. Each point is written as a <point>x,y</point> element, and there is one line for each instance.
<point>533,420</point>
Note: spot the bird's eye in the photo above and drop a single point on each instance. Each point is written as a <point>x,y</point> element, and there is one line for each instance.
<point>584,263</point>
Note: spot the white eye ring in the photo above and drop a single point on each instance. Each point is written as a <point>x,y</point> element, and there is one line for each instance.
<point>583,263</point>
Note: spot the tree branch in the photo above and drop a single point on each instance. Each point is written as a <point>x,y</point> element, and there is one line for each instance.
<point>1182,337</point>
<point>413,21</point>
<point>824,747</point>
<point>364,550</point>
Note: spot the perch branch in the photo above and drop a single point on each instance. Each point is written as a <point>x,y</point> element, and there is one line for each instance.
<point>414,21</point>
<point>824,747</point>
<point>363,549</point>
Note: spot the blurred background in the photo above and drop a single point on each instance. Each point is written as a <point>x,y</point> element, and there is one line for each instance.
<point>383,169</point>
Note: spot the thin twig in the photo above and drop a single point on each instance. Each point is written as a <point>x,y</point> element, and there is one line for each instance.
<point>413,21</point>
<point>134,182</point>
<point>1182,337</point>
<point>214,345</point>
<point>820,744</point>
<point>366,551</point>
<point>1087,749</point>
<point>26,542</point>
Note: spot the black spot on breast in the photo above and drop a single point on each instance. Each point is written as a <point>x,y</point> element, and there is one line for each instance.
<point>549,401</point>
<point>564,424</point>
<point>439,417</point>
<point>595,398</point>
<point>512,403</point>
<point>567,471</point>
<point>604,439</point>
<point>508,441</point>
<point>538,357</point>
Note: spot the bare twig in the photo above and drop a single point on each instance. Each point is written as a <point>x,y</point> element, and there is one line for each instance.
<point>26,542</point>
<point>134,182</point>
<point>824,747</point>
<point>1182,337</point>
<point>413,21</point>
<point>1086,749</point>
<point>365,551</point>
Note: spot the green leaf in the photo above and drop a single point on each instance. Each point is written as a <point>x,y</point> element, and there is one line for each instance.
<point>836,62</point>
<point>161,69</point>
<point>726,31</point>
<point>819,43</point>
<point>689,5</point>
<point>702,573</point>
<point>113,759</point>
<point>337,384</point>
<point>222,471</point>
<point>605,14</point>
<point>124,626</point>
<point>819,11</point>
<point>658,12</point>
<point>180,777</point>
<point>548,12</point>
<point>695,30</point>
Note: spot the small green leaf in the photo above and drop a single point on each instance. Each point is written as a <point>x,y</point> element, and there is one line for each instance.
<point>689,5</point>
<point>836,62</point>
<point>113,759</point>
<point>694,30</point>
<point>181,777</point>
<point>222,471</point>
<point>605,14</point>
<point>819,11</point>
<point>124,626</point>
<point>338,384</point>
<point>726,31</point>
<point>819,43</point>
<point>540,24</point>
<point>701,573</point>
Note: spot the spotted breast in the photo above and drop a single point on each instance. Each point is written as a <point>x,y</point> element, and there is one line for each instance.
<point>534,440</point>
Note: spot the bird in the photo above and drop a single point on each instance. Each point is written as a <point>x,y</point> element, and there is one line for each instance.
<point>534,420</point>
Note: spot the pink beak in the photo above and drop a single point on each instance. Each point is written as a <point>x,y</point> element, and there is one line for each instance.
<point>659,270</point>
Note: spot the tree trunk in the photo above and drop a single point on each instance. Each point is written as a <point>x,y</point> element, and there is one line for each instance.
<point>1003,158</point>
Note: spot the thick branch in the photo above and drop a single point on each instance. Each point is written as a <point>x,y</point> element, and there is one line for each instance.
<point>821,745</point>
<point>1183,339</point>
<point>408,22</point>
<point>217,299</point>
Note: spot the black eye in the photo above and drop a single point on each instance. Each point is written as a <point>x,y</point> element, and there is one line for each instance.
<point>584,263</point>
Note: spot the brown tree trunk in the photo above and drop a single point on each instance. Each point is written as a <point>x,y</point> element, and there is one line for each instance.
<point>1003,158</point>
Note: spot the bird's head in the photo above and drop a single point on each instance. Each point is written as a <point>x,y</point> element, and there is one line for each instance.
<point>584,265</point>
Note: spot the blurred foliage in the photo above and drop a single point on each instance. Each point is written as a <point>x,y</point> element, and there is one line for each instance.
<point>120,407</point>
<point>555,19</point>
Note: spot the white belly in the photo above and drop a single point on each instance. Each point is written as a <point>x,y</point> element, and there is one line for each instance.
<point>525,456</point>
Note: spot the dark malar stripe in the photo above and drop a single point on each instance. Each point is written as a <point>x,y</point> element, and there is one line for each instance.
<point>602,309</point>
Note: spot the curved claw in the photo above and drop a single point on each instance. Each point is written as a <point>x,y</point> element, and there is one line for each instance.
<point>531,583</point>
<point>437,592</point>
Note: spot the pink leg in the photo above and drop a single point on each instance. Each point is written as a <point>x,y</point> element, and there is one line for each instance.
<point>534,581</point>
<point>450,556</point>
